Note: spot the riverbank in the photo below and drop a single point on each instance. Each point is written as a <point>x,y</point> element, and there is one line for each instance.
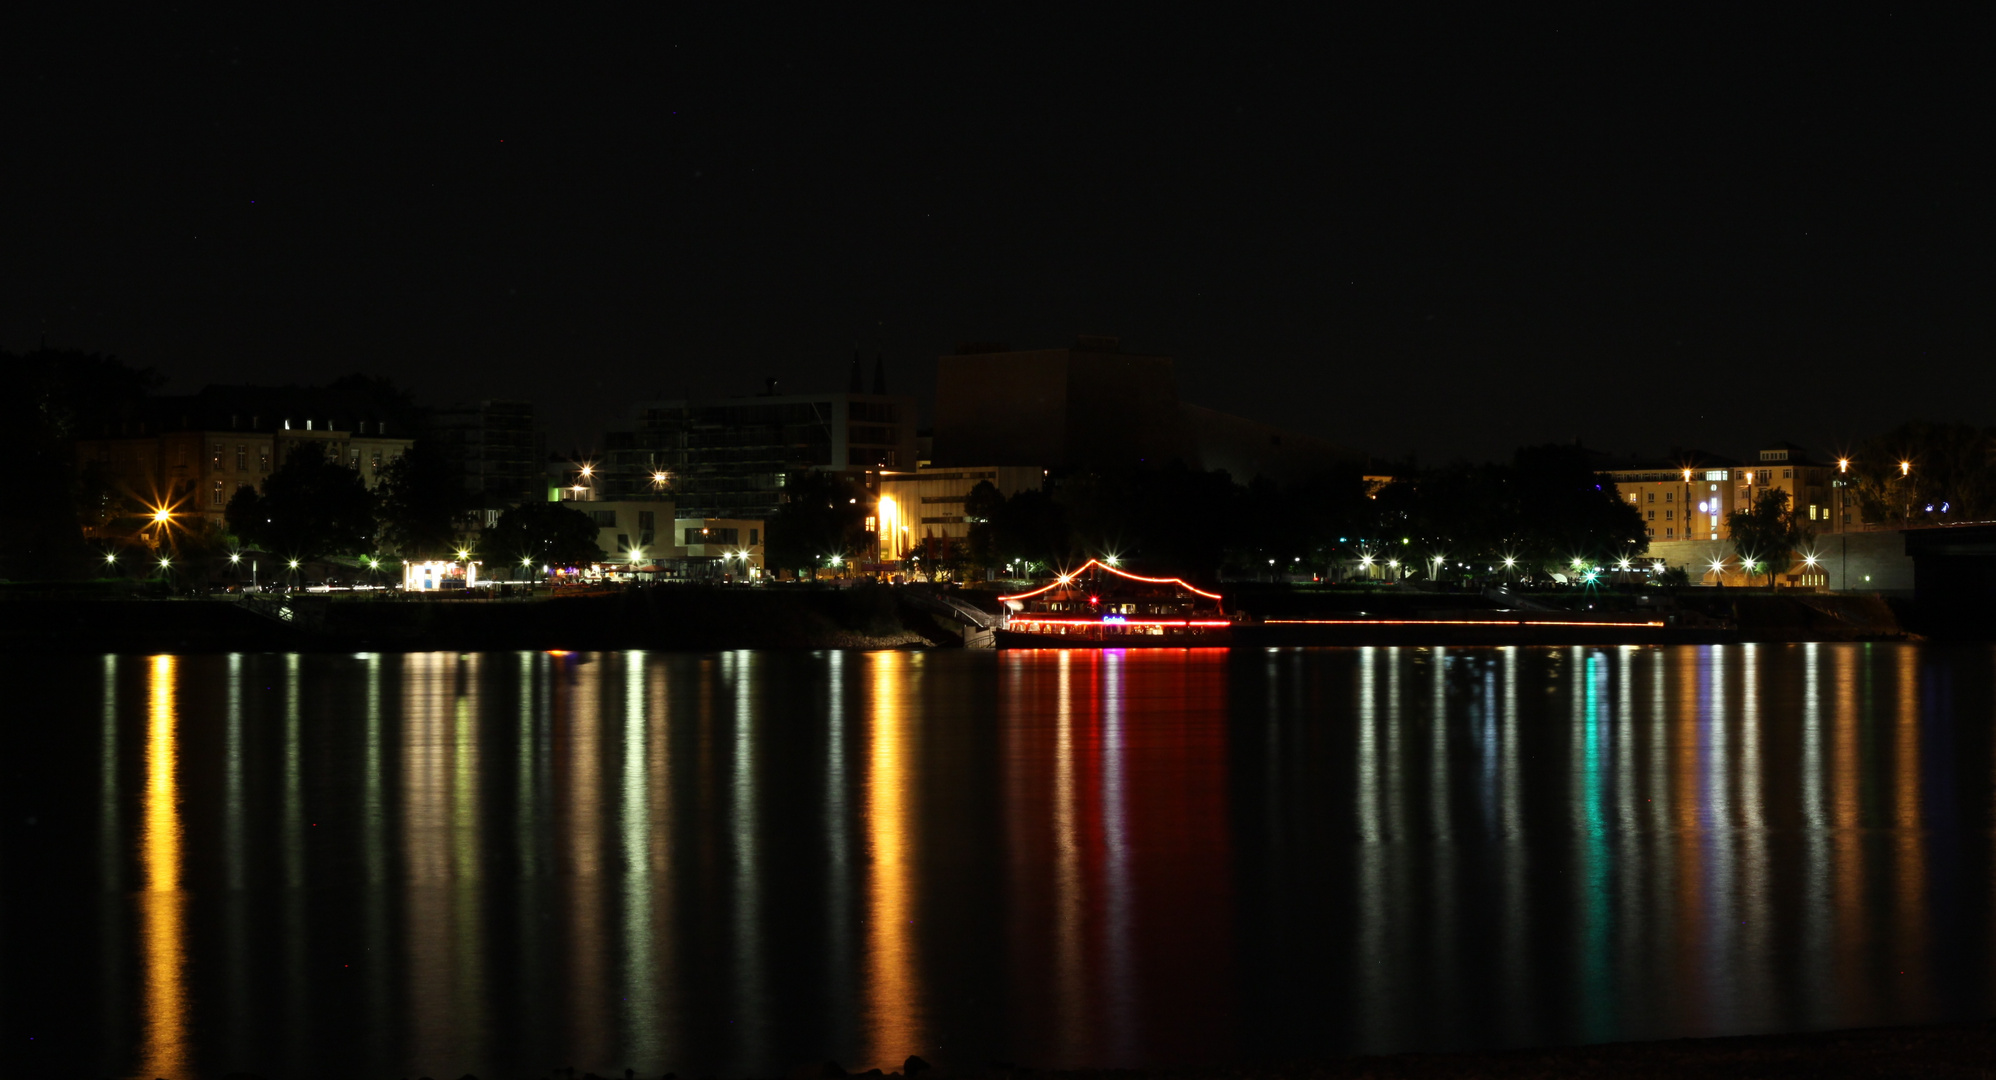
<point>687,617</point>
<point>674,618</point>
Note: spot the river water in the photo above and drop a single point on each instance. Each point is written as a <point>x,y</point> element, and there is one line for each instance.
<point>732,864</point>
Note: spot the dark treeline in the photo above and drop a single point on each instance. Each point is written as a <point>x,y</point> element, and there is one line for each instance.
<point>1547,506</point>
<point>1544,507</point>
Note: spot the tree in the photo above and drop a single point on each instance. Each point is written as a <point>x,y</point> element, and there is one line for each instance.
<point>547,533</point>
<point>422,501</point>
<point>310,507</point>
<point>1947,475</point>
<point>1768,532</point>
<point>1030,530</point>
<point>982,506</point>
<point>825,516</point>
<point>52,397</point>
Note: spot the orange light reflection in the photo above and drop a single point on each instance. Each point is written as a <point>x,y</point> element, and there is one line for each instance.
<point>893,1024</point>
<point>162,906</point>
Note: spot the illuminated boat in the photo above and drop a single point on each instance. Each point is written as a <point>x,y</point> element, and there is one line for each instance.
<point>1101,607</point>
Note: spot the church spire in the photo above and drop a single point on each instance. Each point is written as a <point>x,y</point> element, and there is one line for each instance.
<point>879,373</point>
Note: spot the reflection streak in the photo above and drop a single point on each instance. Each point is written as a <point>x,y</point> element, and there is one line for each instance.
<point>892,982</point>
<point>163,905</point>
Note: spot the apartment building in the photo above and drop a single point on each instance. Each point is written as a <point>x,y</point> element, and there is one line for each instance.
<point>191,461</point>
<point>924,511</point>
<point>1688,495</point>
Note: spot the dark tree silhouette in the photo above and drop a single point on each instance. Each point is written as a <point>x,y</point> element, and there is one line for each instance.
<point>1768,533</point>
<point>52,397</point>
<point>422,502</point>
<point>545,534</point>
<point>310,507</point>
<point>824,517</point>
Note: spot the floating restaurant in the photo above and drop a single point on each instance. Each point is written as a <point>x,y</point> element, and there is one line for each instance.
<point>1102,607</point>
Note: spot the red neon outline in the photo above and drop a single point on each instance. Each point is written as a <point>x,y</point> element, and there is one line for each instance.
<point>1450,622</point>
<point>1023,620</point>
<point>1180,582</point>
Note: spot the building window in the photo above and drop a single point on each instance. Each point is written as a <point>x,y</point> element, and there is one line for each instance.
<point>645,521</point>
<point>1787,474</point>
<point>605,519</point>
<point>1667,514</point>
<point>263,461</point>
<point>1652,515</point>
<point>1669,495</point>
<point>215,494</point>
<point>242,458</point>
<point>1652,497</point>
<point>375,462</point>
<point>1669,532</point>
<point>623,541</point>
<point>755,537</point>
<point>216,457</point>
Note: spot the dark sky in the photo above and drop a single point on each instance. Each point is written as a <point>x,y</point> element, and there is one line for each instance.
<point>1440,236</point>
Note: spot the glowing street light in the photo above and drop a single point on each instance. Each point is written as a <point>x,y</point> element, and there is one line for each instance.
<point>235,558</point>
<point>464,554</point>
<point>110,558</point>
<point>588,471</point>
<point>161,516</point>
<point>1843,465</point>
<point>1113,561</point>
<point>658,479</point>
<point>165,562</point>
<point>1905,468</point>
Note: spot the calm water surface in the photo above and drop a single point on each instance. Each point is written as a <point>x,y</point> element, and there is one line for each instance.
<point>388,865</point>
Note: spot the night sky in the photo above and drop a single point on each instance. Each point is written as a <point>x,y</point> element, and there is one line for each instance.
<point>1441,236</point>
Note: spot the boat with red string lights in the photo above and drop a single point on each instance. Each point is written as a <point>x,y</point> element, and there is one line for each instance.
<point>1102,607</point>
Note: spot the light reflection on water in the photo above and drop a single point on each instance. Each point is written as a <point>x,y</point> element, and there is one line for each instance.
<point>737,863</point>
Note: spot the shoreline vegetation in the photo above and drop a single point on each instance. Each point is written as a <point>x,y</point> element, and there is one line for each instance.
<point>705,618</point>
